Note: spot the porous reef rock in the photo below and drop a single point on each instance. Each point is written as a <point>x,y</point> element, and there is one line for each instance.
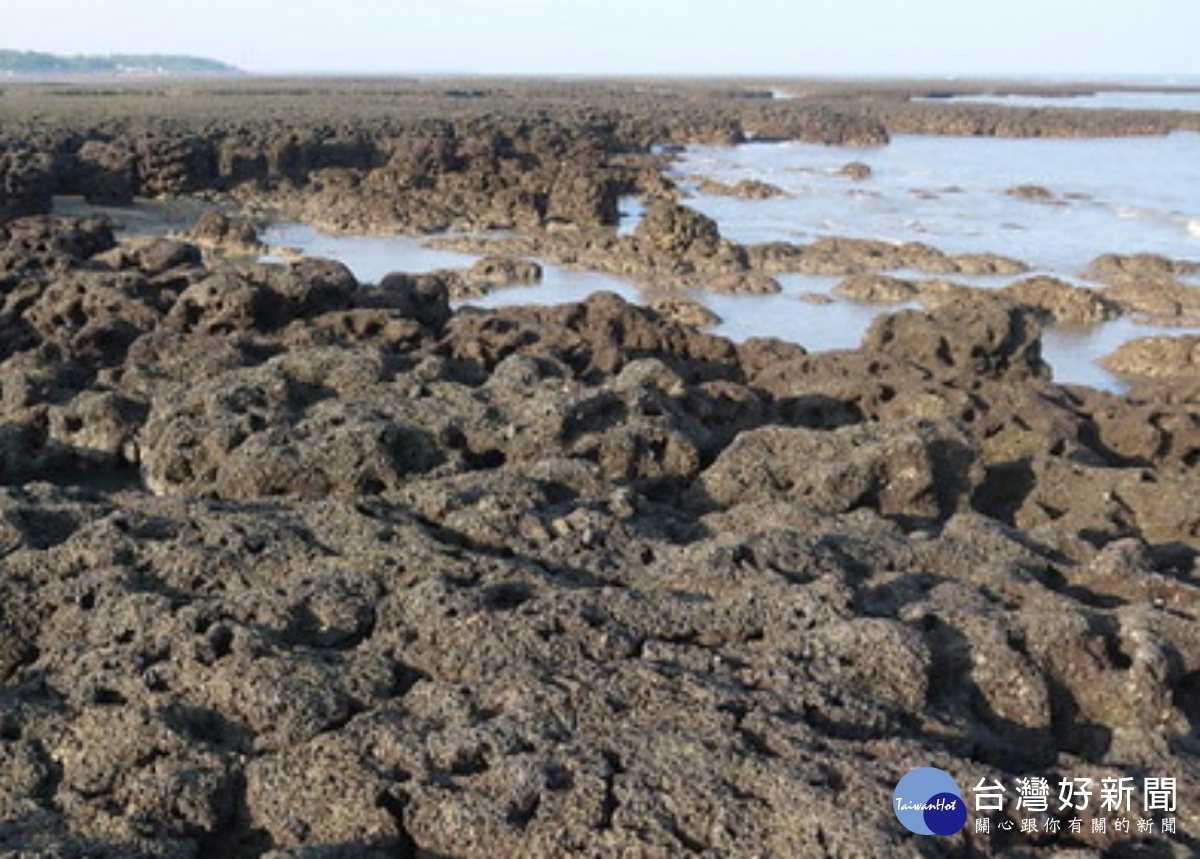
<point>26,180</point>
<point>857,170</point>
<point>685,311</point>
<point>964,337</point>
<point>292,565</point>
<point>1150,286</point>
<point>219,230</point>
<point>838,255</point>
<point>1058,301</point>
<point>672,247</point>
<point>746,189</point>
<point>1032,193</point>
<point>1157,357</point>
<point>877,288</point>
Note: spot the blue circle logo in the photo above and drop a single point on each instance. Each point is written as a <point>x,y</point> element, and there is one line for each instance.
<point>928,802</point>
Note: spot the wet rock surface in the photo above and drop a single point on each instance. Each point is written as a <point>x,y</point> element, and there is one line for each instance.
<point>746,189</point>
<point>295,565</point>
<point>857,171</point>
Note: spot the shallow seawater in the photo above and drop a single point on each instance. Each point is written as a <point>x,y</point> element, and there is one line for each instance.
<point>1097,196</point>
<point>1126,195</point>
<point>1104,100</point>
<point>804,312</point>
<point>817,325</point>
<point>148,218</point>
<point>1123,195</point>
<point>1072,351</point>
<point>559,286</point>
<point>371,258</point>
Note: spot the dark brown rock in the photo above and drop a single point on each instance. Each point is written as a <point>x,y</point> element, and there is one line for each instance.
<point>43,242</point>
<point>273,430</point>
<point>169,166</point>
<point>92,316</point>
<point>746,189</point>
<point>505,271</point>
<point>1033,193</point>
<point>685,311</point>
<point>157,256</point>
<point>217,229</point>
<point>423,298</point>
<point>107,172</point>
<point>971,337</point>
<point>857,170</point>
<point>1144,266</point>
<point>1149,286</point>
<point>678,232</point>
<point>846,256</point>
<point>26,182</point>
<point>1106,503</point>
<point>915,471</point>
<point>1157,357</point>
<point>1059,301</point>
<point>876,288</point>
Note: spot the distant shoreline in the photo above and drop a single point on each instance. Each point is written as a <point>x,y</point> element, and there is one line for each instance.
<point>38,64</point>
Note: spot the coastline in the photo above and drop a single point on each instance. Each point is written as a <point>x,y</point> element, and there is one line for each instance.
<point>296,565</point>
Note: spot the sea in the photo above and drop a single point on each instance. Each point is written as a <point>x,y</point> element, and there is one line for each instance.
<point>1094,196</point>
<point>1112,99</point>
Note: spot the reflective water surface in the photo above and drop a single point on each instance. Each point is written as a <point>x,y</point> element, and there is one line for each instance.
<point>1053,204</point>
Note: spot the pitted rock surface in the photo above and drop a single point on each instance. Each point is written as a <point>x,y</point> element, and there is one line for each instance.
<point>297,566</point>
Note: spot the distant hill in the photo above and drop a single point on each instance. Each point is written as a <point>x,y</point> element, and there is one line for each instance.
<point>38,63</point>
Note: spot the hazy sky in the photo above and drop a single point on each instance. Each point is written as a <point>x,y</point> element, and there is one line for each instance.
<point>741,37</point>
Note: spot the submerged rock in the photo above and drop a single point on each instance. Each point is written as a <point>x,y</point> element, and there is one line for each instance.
<point>1033,193</point>
<point>857,170</point>
<point>746,189</point>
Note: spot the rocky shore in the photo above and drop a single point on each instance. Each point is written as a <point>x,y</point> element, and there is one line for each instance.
<point>297,566</point>
<point>430,155</point>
